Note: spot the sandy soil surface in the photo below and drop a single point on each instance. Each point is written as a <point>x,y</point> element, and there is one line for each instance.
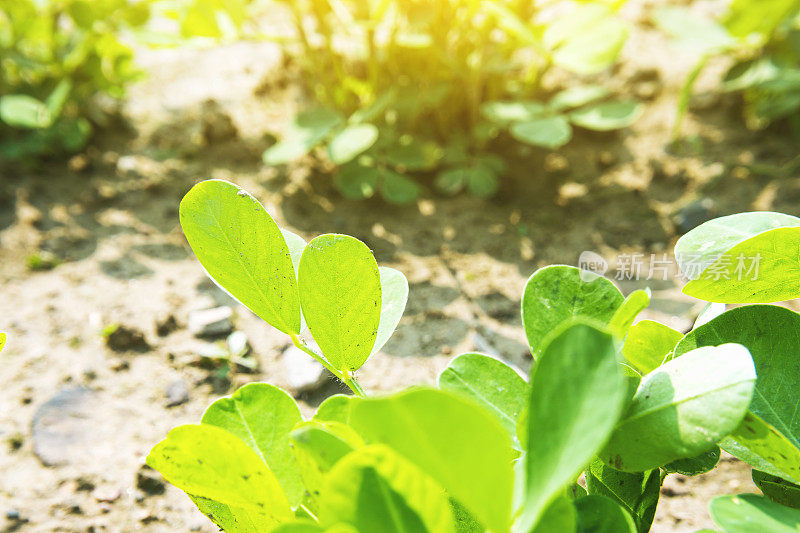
<point>79,412</point>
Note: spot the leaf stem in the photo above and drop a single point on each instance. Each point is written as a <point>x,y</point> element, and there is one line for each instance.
<point>344,377</point>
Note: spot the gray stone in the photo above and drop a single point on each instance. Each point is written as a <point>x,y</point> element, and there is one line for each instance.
<point>214,322</point>
<point>63,427</point>
<point>302,372</point>
<point>694,214</point>
<point>177,393</point>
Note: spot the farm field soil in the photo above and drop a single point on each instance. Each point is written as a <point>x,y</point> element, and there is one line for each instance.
<point>92,409</point>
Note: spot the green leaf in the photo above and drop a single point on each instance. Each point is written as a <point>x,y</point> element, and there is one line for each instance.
<point>764,268</point>
<point>340,293</point>
<point>394,295</point>
<point>683,408</point>
<point>482,181</point>
<point>298,526</point>
<point>242,248</point>
<point>577,96</point>
<point>24,111</point>
<point>336,408</point>
<point>55,102</point>
<point>648,344</point>
<point>452,180</point>
<point>560,515</point>
<point>748,513</point>
<point>768,437</point>
<point>696,34</point>
<point>588,40</point>
<point>397,188</point>
<point>777,489</point>
<point>607,115</point>
<point>376,489</point>
<point>694,466</point>
<point>504,113</point>
<point>490,383</point>
<point>210,463</point>
<point>351,141</point>
<point>549,132</point>
<point>2,341</point>
<point>699,248</point>
<point>636,492</point>
<point>308,129</point>
<point>598,514</point>
<point>263,416</point>
<point>635,303</point>
<point>558,293</point>
<point>357,181</point>
<point>454,441</point>
<point>566,422</point>
<point>763,17</point>
<point>317,447</point>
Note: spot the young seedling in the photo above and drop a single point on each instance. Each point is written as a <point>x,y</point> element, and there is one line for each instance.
<point>489,449</point>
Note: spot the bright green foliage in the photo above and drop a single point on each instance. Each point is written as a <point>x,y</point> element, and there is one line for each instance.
<point>422,87</point>
<point>636,492</point>
<point>423,424</point>
<point>683,408</point>
<point>598,514</point>
<point>648,344</point>
<point>3,338</point>
<point>490,383</point>
<point>242,248</point>
<point>56,57</point>
<point>748,513</point>
<point>559,293</point>
<point>376,489</point>
<point>489,450</point>
<point>761,38</point>
<point>263,416</point>
<point>340,291</point>
<point>762,330</point>
<point>210,463</point>
<point>566,423</point>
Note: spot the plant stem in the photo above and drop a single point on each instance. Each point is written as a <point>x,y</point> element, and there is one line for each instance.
<point>344,377</point>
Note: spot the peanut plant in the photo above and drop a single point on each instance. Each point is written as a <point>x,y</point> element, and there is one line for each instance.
<point>403,88</point>
<point>491,448</point>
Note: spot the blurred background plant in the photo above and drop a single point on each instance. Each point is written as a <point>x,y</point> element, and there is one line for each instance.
<point>59,56</point>
<point>762,38</point>
<point>410,87</point>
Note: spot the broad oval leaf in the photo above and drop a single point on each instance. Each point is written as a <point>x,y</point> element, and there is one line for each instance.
<point>693,32</point>
<point>598,514</point>
<point>454,441</point>
<point>351,141</point>
<point>394,295</point>
<point>566,422</point>
<point>635,303</point>
<point>749,513</point>
<point>397,188</point>
<point>243,250</point>
<point>607,116</point>
<point>506,112</point>
<point>769,438</point>
<point>209,462</point>
<point>699,248</point>
<point>577,96</point>
<point>694,466</point>
<point>340,294</point>
<point>376,489</point>
<point>560,515</point>
<point>764,268</point>
<point>307,129</point>
<point>547,132</point>
<point>648,344</point>
<point>337,408</point>
<point>490,383</point>
<point>683,408</point>
<point>357,181</point>
<point>24,111</point>
<point>263,416</point>
<point>558,293</point>
<point>589,40</point>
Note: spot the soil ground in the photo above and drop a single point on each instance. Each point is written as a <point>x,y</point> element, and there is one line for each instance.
<point>110,217</point>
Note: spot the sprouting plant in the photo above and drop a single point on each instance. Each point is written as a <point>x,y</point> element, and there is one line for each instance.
<point>404,87</point>
<point>490,449</point>
<point>761,38</point>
